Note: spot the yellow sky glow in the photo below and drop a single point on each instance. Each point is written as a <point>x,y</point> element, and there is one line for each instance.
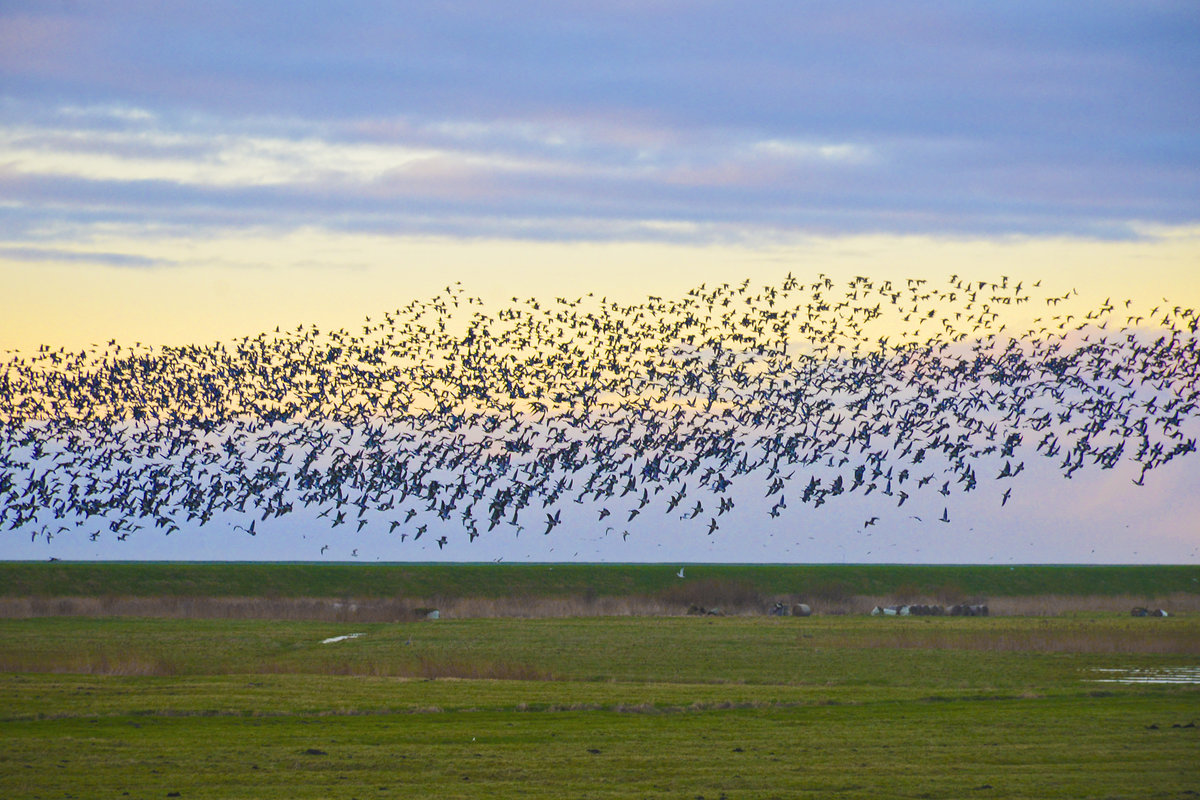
<point>222,287</point>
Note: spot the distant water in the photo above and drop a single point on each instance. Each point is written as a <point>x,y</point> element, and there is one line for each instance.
<point>1185,675</point>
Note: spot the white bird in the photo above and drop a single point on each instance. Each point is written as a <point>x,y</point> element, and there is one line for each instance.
<point>680,573</point>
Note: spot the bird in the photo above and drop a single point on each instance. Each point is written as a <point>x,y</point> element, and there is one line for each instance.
<point>537,401</point>
<point>680,573</point>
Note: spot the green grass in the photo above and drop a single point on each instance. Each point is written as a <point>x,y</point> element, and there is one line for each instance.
<point>1035,749</point>
<point>98,579</point>
<point>746,707</point>
<point>745,650</point>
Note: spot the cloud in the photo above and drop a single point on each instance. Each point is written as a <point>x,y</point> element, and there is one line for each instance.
<point>51,254</point>
<point>529,119</point>
<point>146,149</point>
<point>809,151</point>
<point>197,159</point>
<point>412,176</point>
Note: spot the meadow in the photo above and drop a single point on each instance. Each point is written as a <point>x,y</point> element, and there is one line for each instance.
<point>388,592</point>
<point>595,706</point>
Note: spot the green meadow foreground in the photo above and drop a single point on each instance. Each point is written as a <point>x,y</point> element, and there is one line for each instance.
<point>323,681</point>
<point>734,707</point>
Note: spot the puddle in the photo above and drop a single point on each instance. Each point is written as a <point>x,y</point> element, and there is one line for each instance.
<point>342,638</point>
<point>1156,675</point>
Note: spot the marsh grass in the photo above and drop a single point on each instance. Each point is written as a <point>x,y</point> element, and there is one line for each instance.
<point>90,663</point>
<point>601,707</point>
<point>1065,636</point>
<point>216,681</point>
<point>730,596</point>
<point>185,607</point>
<point>427,669</point>
<point>397,593</point>
<point>737,598</point>
<point>761,650</point>
<point>1066,604</point>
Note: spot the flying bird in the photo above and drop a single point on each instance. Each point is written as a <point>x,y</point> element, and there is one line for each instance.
<point>535,403</point>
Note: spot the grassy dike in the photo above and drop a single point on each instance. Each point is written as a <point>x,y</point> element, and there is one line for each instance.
<point>98,579</point>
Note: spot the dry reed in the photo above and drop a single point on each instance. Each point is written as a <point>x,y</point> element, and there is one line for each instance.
<point>1150,639</point>
<point>419,669</point>
<point>729,598</point>
<point>89,663</point>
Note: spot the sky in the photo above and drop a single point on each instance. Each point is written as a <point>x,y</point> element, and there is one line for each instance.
<point>191,172</point>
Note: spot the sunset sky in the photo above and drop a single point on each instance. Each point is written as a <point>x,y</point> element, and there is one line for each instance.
<point>191,172</point>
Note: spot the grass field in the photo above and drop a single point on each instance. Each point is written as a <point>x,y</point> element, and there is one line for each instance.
<point>596,580</point>
<point>217,681</point>
<point>395,592</point>
<point>601,707</point>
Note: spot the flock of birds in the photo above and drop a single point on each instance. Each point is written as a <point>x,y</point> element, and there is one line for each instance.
<point>447,414</point>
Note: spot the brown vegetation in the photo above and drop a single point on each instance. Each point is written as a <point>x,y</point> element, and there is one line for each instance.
<point>420,668</point>
<point>727,596</point>
<point>731,597</point>
<point>1147,639</point>
<point>90,663</point>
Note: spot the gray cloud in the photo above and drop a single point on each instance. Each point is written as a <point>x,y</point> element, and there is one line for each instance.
<point>532,119</point>
<point>80,256</point>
